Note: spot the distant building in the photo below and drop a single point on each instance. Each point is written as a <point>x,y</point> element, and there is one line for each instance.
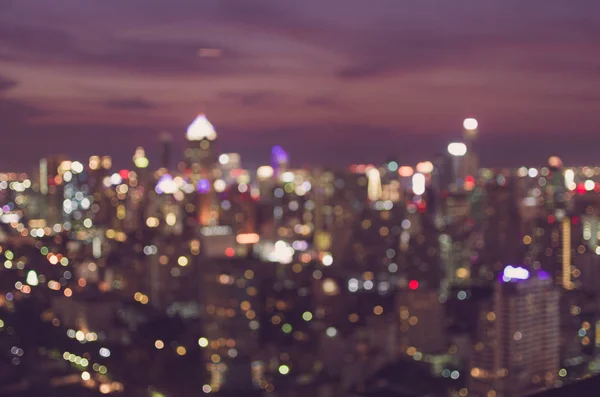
<point>518,347</point>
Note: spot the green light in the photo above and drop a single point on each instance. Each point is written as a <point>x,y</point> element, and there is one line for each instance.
<point>284,369</point>
<point>9,255</point>
<point>44,251</point>
<point>307,316</point>
<point>32,278</point>
<point>287,328</point>
<point>1,324</point>
<point>562,373</point>
<point>393,166</point>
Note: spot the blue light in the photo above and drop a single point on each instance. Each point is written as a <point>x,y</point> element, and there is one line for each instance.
<point>203,186</point>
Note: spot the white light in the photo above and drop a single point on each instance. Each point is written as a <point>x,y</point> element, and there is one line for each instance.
<point>282,253</point>
<point>116,179</point>
<point>200,129</point>
<point>589,185</point>
<point>223,159</point>
<point>517,273</point>
<point>264,172</point>
<point>104,352</point>
<point>353,284</point>
<point>418,183</point>
<point>166,185</point>
<point>287,177</point>
<point>85,375</point>
<point>374,190</point>
<point>331,332</point>
<point>220,185</point>
<point>569,178</point>
<point>327,260</point>
<point>457,149</point>
<point>76,167</point>
<point>470,124</point>
<point>532,172</point>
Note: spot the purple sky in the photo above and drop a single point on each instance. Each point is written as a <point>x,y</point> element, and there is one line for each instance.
<point>332,81</point>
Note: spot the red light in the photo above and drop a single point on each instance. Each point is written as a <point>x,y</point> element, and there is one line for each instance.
<point>230,252</point>
<point>413,284</point>
<point>124,174</point>
<point>575,220</point>
<point>551,219</point>
<point>581,188</point>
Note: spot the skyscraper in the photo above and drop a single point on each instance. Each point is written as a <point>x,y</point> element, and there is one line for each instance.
<point>518,348</point>
<point>201,161</point>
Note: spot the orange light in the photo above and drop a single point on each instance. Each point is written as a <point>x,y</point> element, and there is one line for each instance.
<point>406,171</point>
<point>248,238</point>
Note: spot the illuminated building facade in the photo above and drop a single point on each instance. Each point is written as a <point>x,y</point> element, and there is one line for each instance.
<point>517,351</point>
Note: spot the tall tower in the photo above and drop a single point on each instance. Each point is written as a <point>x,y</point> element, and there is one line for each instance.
<point>279,160</point>
<point>202,168</point>
<point>200,154</point>
<point>518,348</point>
<point>471,161</point>
<point>165,149</point>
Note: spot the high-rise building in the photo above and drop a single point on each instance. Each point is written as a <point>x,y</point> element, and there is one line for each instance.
<point>518,348</point>
<point>165,151</point>
<point>422,322</point>
<point>202,170</point>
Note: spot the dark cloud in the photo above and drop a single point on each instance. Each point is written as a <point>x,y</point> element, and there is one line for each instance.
<point>37,41</point>
<point>516,64</point>
<point>156,57</point>
<point>130,103</point>
<point>15,112</point>
<point>260,98</point>
<point>6,83</point>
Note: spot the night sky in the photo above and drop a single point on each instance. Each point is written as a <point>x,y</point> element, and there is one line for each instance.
<point>332,81</point>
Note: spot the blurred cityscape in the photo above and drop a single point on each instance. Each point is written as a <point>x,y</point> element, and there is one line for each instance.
<point>196,276</point>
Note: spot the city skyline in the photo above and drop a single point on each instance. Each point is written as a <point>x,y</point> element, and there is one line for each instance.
<point>332,86</point>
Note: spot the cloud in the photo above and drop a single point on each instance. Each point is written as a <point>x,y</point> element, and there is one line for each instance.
<point>130,103</point>
<point>6,83</point>
<point>259,98</point>
<point>321,102</point>
<point>27,43</point>
<point>14,112</point>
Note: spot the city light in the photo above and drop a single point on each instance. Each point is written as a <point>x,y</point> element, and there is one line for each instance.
<point>514,273</point>
<point>457,149</point>
<point>418,183</point>
<point>201,129</point>
<point>195,259</point>
<point>470,124</point>
<point>248,238</point>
